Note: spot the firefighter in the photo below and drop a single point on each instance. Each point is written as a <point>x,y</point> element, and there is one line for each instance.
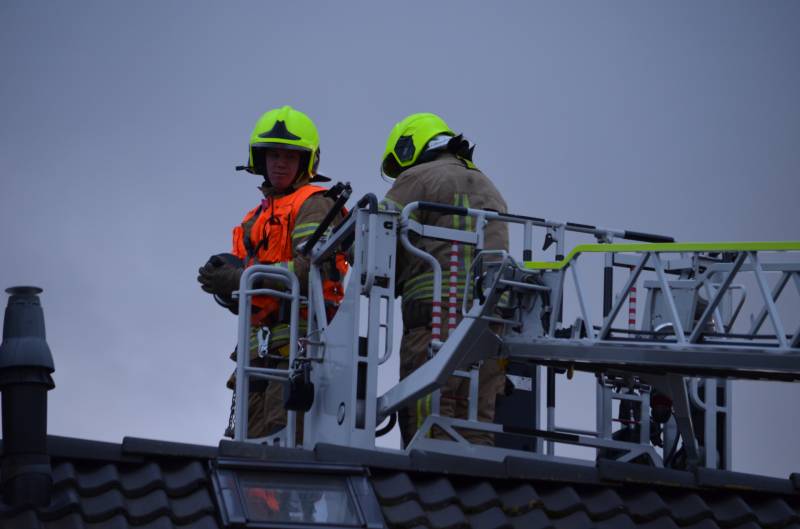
<point>284,150</point>
<point>425,160</point>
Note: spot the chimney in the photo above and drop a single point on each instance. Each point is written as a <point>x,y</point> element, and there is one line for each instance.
<point>25,368</point>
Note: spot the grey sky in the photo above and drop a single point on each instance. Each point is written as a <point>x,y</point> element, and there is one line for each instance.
<point>120,125</point>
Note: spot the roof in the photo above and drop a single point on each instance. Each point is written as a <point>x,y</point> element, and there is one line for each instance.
<point>155,484</point>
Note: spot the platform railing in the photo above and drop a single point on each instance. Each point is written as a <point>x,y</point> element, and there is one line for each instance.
<point>244,371</point>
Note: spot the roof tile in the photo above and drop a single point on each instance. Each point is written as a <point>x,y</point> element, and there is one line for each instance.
<point>645,505</point>
<point>602,503</point>
<point>492,518</point>
<point>206,522</point>
<point>619,521</point>
<point>117,521</point>
<point>64,501</point>
<point>26,519</point>
<point>706,523</point>
<point>148,507</point>
<point>665,522</point>
<point>394,488</point>
<point>406,514</point>
<point>535,519</point>
<point>64,475</point>
<point>450,517</point>
<point>520,499</point>
<point>185,479</point>
<point>576,520</point>
<point>478,497</point>
<point>561,500</point>
<point>774,512</point>
<point>436,492</point>
<point>192,507</point>
<point>688,508</point>
<point>731,511</point>
<point>161,522</point>
<point>70,521</point>
<point>142,480</point>
<point>102,506</point>
<point>98,480</point>
<point>748,525</point>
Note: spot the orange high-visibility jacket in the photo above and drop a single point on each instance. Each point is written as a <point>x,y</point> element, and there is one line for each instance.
<point>270,241</point>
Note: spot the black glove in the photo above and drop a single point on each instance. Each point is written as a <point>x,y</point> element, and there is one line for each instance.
<point>220,279</point>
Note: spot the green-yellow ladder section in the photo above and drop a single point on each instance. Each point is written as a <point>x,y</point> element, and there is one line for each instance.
<point>667,247</point>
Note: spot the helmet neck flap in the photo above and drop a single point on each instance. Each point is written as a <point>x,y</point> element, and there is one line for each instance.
<point>421,138</point>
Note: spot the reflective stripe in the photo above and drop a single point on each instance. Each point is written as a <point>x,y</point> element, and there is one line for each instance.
<point>469,250</point>
<point>425,292</point>
<point>387,204</point>
<point>304,230</point>
<point>421,286</point>
<point>427,278</point>
<point>423,410</point>
<point>428,399</point>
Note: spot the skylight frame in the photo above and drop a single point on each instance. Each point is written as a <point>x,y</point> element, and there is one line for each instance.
<point>228,476</point>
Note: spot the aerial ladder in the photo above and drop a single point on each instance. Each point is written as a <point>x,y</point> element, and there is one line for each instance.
<point>666,372</point>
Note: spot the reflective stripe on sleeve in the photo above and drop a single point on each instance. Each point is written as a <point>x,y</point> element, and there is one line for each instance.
<point>304,230</point>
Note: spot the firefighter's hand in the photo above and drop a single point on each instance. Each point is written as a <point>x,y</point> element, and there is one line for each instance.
<point>221,280</point>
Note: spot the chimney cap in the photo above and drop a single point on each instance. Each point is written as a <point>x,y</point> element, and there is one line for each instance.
<point>24,291</point>
<point>24,344</point>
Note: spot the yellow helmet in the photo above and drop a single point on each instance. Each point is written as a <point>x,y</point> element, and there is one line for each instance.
<point>408,141</point>
<point>285,128</point>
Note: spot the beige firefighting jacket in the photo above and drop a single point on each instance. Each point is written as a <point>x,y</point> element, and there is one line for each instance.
<point>446,180</point>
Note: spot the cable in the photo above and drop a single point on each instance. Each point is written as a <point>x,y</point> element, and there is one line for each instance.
<point>386,429</point>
